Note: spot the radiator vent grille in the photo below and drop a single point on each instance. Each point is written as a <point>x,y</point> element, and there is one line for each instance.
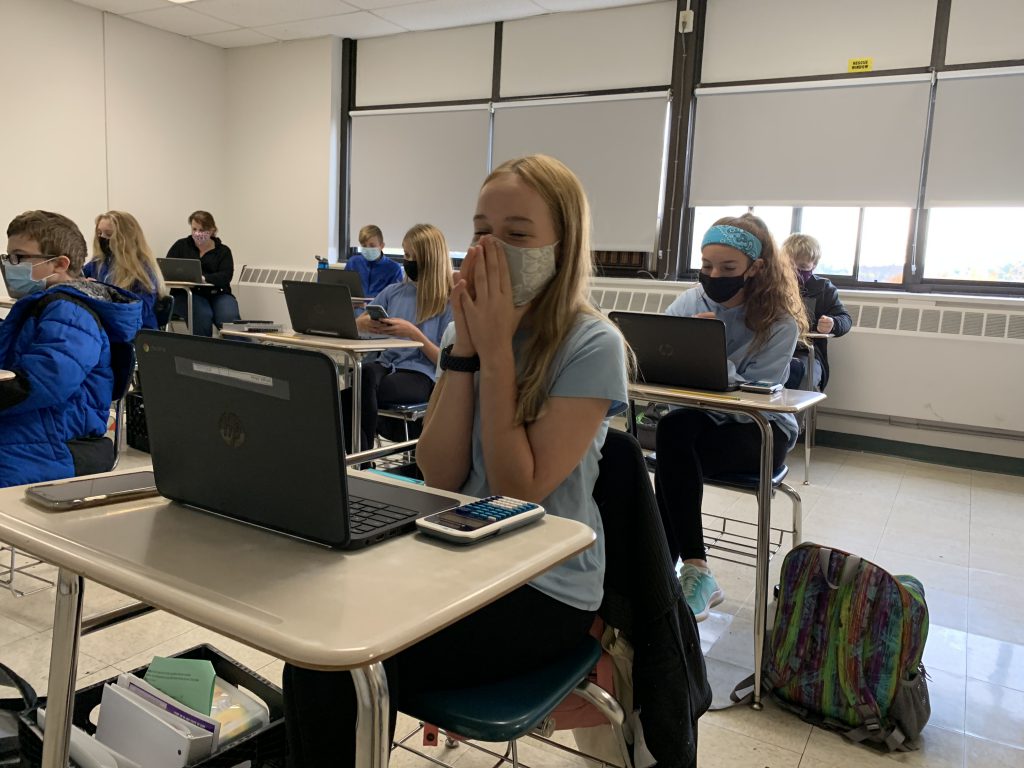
<point>890,318</point>
<point>909,318</point>
<point>951,322</point>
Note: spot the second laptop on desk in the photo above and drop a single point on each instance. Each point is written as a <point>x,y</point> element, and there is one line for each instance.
<point>181,270</point>
<point>686,352</point>
<point>321,309</point>
<point>255,433</point>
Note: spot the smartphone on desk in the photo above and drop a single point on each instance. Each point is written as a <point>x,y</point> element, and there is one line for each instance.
<point>93,491</point>
<point>481,519</point>
<point>761,387</point>
<point>376,312</point>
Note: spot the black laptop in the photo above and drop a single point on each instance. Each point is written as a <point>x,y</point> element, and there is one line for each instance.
<point>181,270</point>
<point>321,309</point>
<point>687,352</point>
<point>348,278</point>
<point>254,432</point>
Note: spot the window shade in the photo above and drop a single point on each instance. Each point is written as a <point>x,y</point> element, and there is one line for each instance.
<point>840,143</point>
<point>412,167</point>
<point>977,148</point>
<point>616,147</point>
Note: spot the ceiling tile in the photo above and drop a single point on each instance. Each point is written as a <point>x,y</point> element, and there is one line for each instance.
<point>180,20</point>
<point>262,13</point>
<point>372,5</point>
<point>236,38</point>
<point>124,6</point>
<point>437,14</point>
<point>354,25</point>
<point>584,5</point>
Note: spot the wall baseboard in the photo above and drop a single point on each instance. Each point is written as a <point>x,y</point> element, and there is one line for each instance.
<point>950,457</point>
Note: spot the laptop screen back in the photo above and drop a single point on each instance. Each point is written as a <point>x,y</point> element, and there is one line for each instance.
<point>247,431</point>
<point>181,270</point>
<point>347,278</point>
<point>320,308</point>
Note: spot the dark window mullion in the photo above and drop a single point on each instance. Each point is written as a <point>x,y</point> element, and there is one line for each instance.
<point>856,249</point>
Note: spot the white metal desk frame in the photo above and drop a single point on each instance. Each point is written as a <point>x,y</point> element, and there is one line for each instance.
<point>353,350</point>
<point>256,612</point>
<point>788,401</point>
<point>6,375</point>
<point>811,415</point>
<point>187,286</point>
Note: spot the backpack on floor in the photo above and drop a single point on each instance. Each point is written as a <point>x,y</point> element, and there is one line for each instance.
<point>845,651</point>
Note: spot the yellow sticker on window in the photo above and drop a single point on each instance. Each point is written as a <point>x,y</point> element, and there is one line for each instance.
<point>860,65</point>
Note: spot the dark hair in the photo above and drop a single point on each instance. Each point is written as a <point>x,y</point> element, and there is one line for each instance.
<point>204,219</point>
<point>56,235</point>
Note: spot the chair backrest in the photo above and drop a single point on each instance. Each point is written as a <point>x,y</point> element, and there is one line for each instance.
<point>162,308</point>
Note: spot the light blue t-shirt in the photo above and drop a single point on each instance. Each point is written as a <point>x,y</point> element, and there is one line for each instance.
<point>769,362</point>
<point>591,363</point>
<point>399,300</point>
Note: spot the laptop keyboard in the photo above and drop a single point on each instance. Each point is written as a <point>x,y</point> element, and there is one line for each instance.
<point>367,515</point>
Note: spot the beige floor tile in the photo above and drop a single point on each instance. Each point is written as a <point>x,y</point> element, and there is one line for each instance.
<point>989,585</point>
<point>939,748</point>
<point>948,695</point>
<point>946,649</point>
<point>915,513</point>
<point>125,640</point>
<point>772,725</point>
<point>992,481</point>
<point>995,661</point>
<point>982,753</point>
<point>931,573</point>
<point>995,713</point>
<point>990,618</point>
<point>11,630</point>
<point>996,549</point>
<point>942,542</point>
<point>30,658</point>
<point>273,672</point>
<point>724,748</point>
<point>936,483</point>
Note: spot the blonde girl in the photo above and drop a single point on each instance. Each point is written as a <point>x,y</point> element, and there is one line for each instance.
<point>122,257</point>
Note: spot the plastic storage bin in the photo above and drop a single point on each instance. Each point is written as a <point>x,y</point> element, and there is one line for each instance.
<point>264,748</point>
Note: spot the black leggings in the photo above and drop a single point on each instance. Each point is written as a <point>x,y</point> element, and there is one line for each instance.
<point>691,445</point>
<point>381,385</point>
<point>521,631</point>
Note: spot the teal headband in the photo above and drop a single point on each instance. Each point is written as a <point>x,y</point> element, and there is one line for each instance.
<point>734,237</point>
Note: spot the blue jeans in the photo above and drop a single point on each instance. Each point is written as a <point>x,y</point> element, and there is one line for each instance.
<point>219,308</point>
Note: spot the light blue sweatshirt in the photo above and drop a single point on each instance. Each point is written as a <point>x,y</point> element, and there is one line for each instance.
<point>769,362</point>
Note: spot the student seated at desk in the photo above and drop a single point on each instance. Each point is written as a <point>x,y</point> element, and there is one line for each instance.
<point>418,310</point>
<point>825,311</point>
<point>122,257</point>
<point>375,269</point>
<point>57,340</point>
<point>745,283</point>
<point>531,374</point>
<point>214,303</point>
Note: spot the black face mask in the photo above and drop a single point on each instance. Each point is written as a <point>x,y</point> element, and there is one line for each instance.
<point>721,289</point>
<point>105,247</point>
<point>412,270</point>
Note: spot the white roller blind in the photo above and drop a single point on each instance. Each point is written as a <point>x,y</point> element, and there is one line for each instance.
<point>414,167</point>
<point>615,146</point>
<point>977,151</point>
<point>834,144</point>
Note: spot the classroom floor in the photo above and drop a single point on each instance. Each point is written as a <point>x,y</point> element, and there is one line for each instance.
<point>957,530</point>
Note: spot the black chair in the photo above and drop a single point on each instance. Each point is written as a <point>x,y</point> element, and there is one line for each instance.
<point>162,308</point>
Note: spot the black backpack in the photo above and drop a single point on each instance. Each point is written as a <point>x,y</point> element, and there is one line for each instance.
<point>10,708</point>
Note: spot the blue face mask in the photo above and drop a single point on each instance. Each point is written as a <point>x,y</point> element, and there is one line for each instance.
<point>20,282</point>
<point>371,254</point>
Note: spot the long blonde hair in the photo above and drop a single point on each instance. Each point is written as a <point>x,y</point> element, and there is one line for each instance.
<point>771,292</point>
<point>566,298</point>
<point>133,263</point>
<point>434,281</point>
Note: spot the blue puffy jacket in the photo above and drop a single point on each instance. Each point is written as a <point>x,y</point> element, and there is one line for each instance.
<point>64,381</point>
<point>100,270</point>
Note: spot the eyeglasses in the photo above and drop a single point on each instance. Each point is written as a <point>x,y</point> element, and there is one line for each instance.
<point>14,259</point>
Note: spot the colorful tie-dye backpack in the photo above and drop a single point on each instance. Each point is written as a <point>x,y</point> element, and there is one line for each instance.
<point>845,652</point>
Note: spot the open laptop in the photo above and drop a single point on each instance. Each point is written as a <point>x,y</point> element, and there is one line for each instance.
<point>321,309</point>
<point>686,352</point>
<point>348,278</point>
<point>254,432</point>
<point>181,270</point>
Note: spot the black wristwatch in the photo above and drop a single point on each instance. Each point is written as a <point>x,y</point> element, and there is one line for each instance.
<point>450,362</point>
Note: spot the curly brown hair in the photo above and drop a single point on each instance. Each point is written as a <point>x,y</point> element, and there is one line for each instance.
<point>771,292</point>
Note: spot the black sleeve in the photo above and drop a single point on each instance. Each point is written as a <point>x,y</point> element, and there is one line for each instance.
<point>224,269</point>
<point>830,304</point>
<point>14,391</point>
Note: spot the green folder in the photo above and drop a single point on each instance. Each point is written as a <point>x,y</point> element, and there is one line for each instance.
<point>188,681</point>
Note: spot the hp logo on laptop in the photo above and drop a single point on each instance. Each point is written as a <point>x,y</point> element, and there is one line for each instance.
<point>231,430</point>
<point>666,350</point>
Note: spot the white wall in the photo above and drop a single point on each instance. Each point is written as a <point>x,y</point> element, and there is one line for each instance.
<point>165,127</point>
<point>281,165</point>
<point>757,40</point>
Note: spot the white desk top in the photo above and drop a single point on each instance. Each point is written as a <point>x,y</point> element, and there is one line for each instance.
<point>328,343</point>
<point>6,302</point>
<point>184,284</point>
<point>309,605</point>
<point>786,401</point>
<point>6,375</point>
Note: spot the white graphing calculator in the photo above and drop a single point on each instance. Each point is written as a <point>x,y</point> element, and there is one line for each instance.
<point>480,519</point>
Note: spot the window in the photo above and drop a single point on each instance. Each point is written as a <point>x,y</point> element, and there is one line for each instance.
<point>883,245</point>
<point>836,230</point>
<point>958,251</point>
<point>779,219</point>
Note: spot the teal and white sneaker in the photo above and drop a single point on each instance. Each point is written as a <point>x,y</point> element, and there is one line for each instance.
<point>700,589</point>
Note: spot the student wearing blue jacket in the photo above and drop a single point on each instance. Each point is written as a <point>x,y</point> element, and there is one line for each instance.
<point>57,341</point>
<point>746,283</point>
<point>375,269</point>
<point>418,310</point>
<point>122,257</point>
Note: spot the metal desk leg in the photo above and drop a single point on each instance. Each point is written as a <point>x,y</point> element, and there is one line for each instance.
<point>357,402</point>
<point>67,625</point>
<point>632,418</point>
<point>190,311</point>
<point>372,747</point>
<point>809,424</point>
<point>764,519</point>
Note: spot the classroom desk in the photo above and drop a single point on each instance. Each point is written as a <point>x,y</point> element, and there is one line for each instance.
<point>311,606</point>
<point>793,401</point>
<point>187,286</point>
<point>6,375</point>
<point>353,350</point>
<point>7,302</point>
<point>811,417</point>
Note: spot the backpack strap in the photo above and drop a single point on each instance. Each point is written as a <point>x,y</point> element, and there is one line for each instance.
<point>8,677</point>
